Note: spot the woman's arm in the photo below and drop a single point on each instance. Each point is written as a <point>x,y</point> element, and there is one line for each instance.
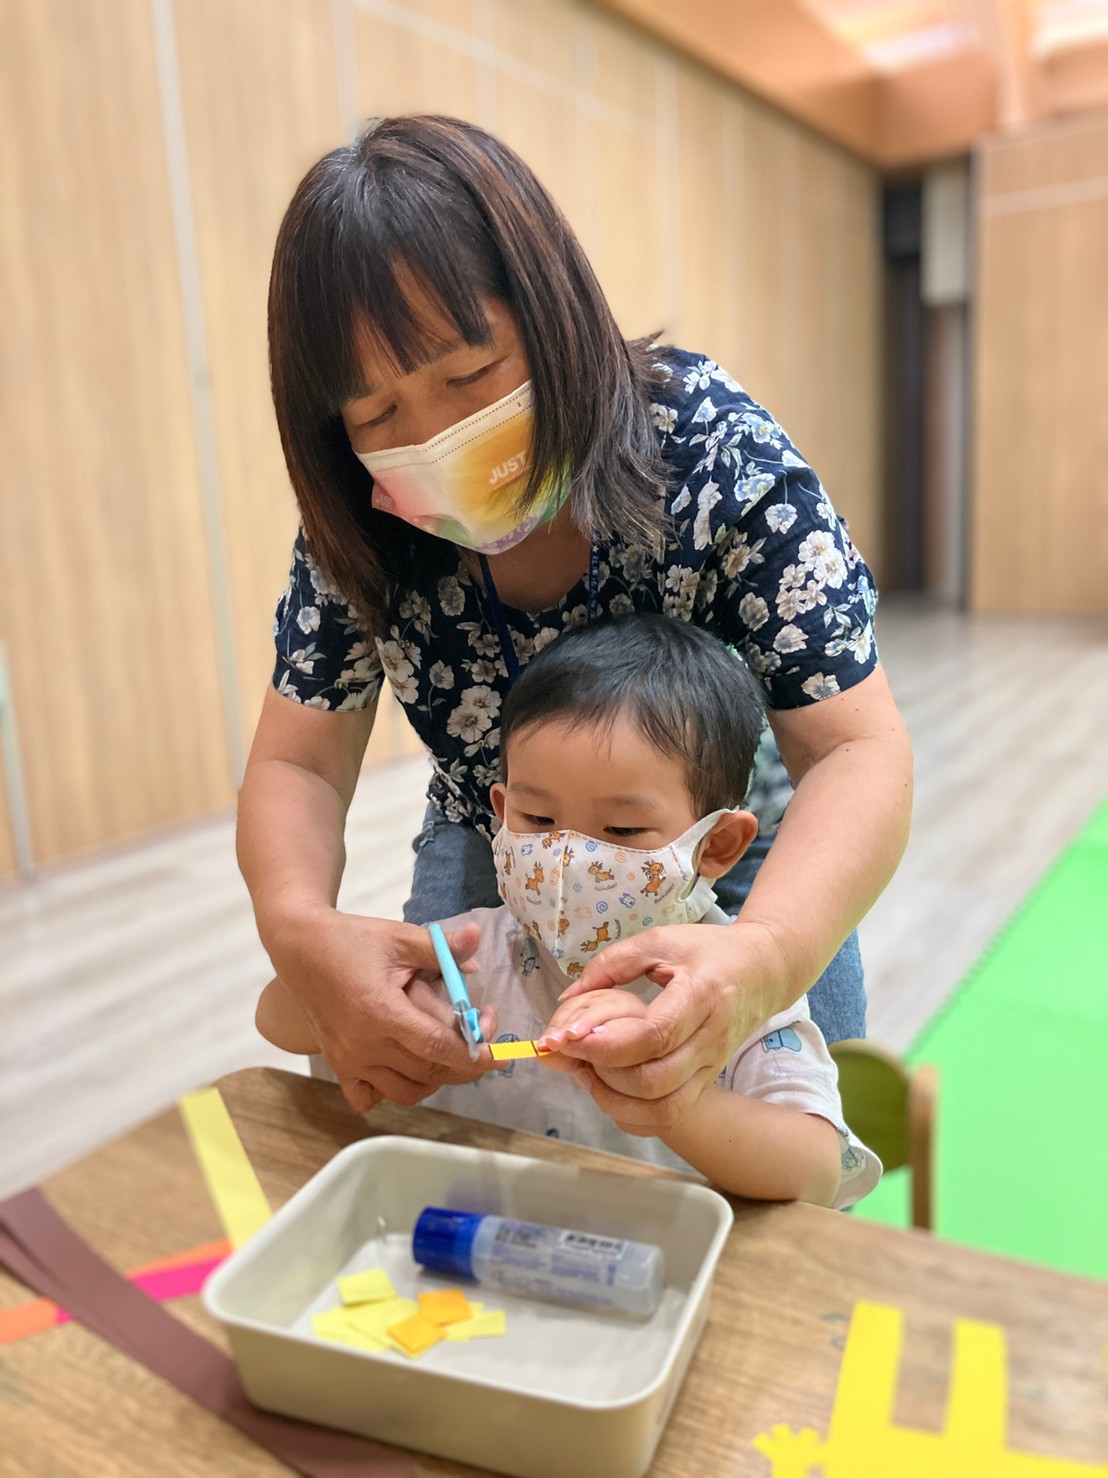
<point>349,975</point>
<point>843,834</point>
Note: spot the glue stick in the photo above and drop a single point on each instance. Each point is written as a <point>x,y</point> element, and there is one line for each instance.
<point>608,1275</point>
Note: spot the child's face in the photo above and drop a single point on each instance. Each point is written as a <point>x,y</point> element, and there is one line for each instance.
<point>607,783</point>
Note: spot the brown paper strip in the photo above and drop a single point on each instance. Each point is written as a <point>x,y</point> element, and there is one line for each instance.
<point>44,1252</point>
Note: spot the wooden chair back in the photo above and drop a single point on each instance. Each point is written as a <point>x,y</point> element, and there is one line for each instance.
<point>891,1107</point>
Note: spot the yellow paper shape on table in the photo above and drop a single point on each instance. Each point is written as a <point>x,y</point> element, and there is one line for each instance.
<point>372,1286</point>
<point>445,1306</point>
<point>508,1051</point>
<point>415,1335</point>
<point>482,1326</point>
<point>240,1202</point>
<point>374,1319</point>
<point>863,1441</point>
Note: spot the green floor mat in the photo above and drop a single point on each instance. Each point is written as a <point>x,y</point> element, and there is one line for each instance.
<point>1022,1150</point>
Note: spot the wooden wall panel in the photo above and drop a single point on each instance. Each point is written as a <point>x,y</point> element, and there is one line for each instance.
<point>1040,463</point>
<point>7,842</point>
<point>261,105</point>
<point>727,227</point>
<point>706,206</point>
<point>627,253</point>
<point>104,593</point>
<point>809,310</point>
<point>402,69</point>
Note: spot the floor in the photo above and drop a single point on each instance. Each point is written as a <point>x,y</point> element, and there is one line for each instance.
<point>130,978</point>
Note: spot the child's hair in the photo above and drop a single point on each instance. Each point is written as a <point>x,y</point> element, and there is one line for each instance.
<point>689,694</point>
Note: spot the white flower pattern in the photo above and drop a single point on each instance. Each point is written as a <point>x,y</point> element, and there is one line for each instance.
<point>753,550</point>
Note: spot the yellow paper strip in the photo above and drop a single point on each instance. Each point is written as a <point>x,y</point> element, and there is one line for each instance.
<point>507,1051</point>
<point>240,1202</point>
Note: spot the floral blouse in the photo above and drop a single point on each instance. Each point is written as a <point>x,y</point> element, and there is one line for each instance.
<point>753,551</point>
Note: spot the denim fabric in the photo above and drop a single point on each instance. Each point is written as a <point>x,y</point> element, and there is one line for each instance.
<point>454,872</point>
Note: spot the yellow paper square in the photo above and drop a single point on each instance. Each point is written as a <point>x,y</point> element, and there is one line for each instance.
<point>415,1335</point>
<point>372,1286</point>
<point>482,1326</point>
<point>445,1306</point>
<point>374,1319</point>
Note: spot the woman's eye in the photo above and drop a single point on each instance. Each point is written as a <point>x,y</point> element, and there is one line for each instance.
<point>469,379</point>
<point>377,420</point>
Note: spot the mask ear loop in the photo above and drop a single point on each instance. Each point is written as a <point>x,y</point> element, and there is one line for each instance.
<point>687,891</point>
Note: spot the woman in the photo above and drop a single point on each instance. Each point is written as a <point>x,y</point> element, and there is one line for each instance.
<point>482,461</point>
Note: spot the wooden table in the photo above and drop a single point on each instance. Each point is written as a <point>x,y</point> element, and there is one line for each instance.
<point>783,1296</point>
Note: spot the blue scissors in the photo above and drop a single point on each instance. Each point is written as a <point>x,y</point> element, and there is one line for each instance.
<point>469,1018</point>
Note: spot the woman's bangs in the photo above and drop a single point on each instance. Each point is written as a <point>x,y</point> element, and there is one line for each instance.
<point>391,273</point>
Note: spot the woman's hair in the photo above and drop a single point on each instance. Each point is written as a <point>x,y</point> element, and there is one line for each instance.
<point>446,204</point>
<point>687,693</point>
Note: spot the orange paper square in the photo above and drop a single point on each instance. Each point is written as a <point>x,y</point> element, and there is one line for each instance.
<point>416,1334</point>
<point>445,1306</point>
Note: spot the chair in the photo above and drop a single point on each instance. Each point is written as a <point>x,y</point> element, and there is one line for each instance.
<point>891,1108</point>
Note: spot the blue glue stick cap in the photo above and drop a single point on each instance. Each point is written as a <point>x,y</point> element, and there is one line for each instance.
<point>443,1240</point>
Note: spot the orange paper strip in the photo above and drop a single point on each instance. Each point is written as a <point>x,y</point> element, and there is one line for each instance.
<point>42,1313</point>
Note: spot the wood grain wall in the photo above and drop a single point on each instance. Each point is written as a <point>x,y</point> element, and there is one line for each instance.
<point>147,520</point>
<point>1040,457</point>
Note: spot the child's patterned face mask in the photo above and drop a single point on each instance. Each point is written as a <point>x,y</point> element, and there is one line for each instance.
<point>574,894</point>
<point>465,484</point>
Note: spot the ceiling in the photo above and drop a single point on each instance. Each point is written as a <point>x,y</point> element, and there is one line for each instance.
<point>899,81</point>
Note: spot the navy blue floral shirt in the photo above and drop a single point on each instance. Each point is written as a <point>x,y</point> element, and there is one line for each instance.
<point>753,551</point>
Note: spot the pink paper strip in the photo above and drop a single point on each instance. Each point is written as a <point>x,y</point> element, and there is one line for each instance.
<point>166,1284</point>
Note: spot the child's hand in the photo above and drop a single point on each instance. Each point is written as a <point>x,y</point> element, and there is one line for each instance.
<point>585,1016</point>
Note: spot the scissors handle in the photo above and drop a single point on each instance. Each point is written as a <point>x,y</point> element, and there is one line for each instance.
<point>469,1019</point>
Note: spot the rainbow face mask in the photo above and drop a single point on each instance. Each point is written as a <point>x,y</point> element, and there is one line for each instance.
<point>465,484</point>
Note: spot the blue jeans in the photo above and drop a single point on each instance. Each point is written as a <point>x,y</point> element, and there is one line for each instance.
<point>454,872</point>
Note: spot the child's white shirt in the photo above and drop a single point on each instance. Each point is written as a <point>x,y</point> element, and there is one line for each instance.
<point>785,1061</point>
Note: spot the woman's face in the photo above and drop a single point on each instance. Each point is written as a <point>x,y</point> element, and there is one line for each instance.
<point>393,409</point>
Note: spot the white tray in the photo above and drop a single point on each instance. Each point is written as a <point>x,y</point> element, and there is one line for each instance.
<point>562,1392</point>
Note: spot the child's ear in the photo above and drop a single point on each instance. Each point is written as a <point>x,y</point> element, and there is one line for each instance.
<point>499,797</point>
<point>726,843</point>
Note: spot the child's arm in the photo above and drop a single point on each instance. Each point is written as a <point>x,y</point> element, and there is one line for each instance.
<point>281,1021</point>
<point>764,1151</point>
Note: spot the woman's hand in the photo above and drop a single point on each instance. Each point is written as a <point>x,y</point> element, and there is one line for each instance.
<point>646,1071</point>
<point>371,990</point>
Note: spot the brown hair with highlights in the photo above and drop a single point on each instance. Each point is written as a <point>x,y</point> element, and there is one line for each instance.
<point>449,204</point>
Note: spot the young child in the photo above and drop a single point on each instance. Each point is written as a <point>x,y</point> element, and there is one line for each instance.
<point>626,749</point>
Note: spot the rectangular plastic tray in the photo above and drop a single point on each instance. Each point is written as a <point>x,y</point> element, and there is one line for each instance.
<point>562,1392</point>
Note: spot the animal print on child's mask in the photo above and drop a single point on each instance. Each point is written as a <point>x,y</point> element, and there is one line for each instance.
<point>575,895</point>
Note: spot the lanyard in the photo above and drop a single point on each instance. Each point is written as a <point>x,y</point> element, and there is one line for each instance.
<point>500,622</point>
